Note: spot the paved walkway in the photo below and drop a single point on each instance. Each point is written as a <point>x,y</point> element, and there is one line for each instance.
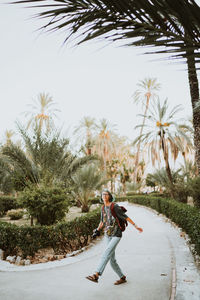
<point>157,263</point>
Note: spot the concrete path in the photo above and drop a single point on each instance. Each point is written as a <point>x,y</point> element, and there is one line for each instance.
<point>157,262</point>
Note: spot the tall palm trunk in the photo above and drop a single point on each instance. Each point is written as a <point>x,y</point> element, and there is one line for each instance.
<point>194,92</point>
<point>84,208</point>
<point>148,95</point>
<point>88,143</point>
<point>105,153</point>
<point>112,185</point>
<point>167,166</point>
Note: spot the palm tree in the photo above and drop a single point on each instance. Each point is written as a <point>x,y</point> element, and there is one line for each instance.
<point>112,170</point>
<point>87,180</point>
<point>105,141</point>
<point>160,178</point>
<point>8,135</point>
<point>124,177</point>
<point>6,184</point>
<point>46,159</point>
<point>162,133</point>
<point>42,112</point>
<point>86,126</point>
<point>189,170</point>
<point>120,158</point>
<point>133,187</point>
<point>146,91</point>
<point>172,26</point>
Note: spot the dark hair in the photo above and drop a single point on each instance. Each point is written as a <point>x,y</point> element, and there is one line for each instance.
<point>111,198</point>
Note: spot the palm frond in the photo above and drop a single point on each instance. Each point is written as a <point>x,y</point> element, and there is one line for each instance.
<point>18,158</point>
<point>173,26</point>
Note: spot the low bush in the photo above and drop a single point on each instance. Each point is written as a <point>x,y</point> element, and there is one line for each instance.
<point>158,194</point>
<point>62,237</point>
<point>47,204</point>
<point>7,203</point>
<point>15,214</point>
<point>194,190</point>
<point>131,194</point>
<point>181,192</point>
<point>68,236</point>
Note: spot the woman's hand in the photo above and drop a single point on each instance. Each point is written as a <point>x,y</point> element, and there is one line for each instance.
<point>96,233</point>
<point>139,229</point>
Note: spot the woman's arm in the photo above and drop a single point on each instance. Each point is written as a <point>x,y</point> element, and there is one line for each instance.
<point>138,228</point>
<point>100,226</point>
<point>96,231</point>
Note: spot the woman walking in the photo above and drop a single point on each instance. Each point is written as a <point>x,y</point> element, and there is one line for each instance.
<point>113,220</point>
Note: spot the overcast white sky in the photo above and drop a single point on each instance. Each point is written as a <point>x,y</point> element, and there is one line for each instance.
<point>90,80</point>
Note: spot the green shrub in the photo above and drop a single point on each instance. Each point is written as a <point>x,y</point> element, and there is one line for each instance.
<point>47,204</point>
<point>94,200</point>
<point>7,203</point>
<point>181,192</point>
<point>68,236</point>
<point>194,190</point>
<point>15,214</point>
<point>131,193</point>
<point>158,194</point>
<point>62,237</point>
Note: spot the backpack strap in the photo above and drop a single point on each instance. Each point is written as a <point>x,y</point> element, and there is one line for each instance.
<point>122,224</point>
<point>113,210</point>
<point>115,216</point>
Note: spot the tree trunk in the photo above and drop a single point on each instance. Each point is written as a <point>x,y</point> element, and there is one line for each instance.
<point>168,170</point>
<point>138,147</point>
<point>111,185</point>
<point>89,151</point>
<point>88,143</point>
<point>104,158</point>
<point>84,208</point>
<point>194,93</point>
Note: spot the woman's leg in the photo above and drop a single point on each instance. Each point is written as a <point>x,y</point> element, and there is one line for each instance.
<point>115,265</point>
<point>111,246</point>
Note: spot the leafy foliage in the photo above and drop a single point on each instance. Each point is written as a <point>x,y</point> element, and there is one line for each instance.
<point>163,134</point>
<point>42,112</point>
<point>47,159</point>
<point>7,203</point>
<point>87,180</point>
<point>132,187</point>
<point>194,188</point>
<point>85,131</point>
<point>172,26</point>
<point>150,181</point>
<point>62,237</point>
<point>160,178</point>
<point>15,214</point>
<point>47,204</point>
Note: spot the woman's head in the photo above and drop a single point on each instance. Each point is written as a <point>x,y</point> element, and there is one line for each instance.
<point>106,196</point>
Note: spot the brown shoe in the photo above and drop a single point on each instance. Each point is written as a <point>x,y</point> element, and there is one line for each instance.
<point>93,278</point>
<point>121,280</point>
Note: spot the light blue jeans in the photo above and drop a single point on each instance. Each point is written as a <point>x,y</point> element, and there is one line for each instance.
<point>109,254</point>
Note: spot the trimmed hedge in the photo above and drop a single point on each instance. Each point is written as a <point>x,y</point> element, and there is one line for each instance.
<point>62,237</point>
<point>73,235</point>
<point>185,216</point>
<point>7,203</point>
